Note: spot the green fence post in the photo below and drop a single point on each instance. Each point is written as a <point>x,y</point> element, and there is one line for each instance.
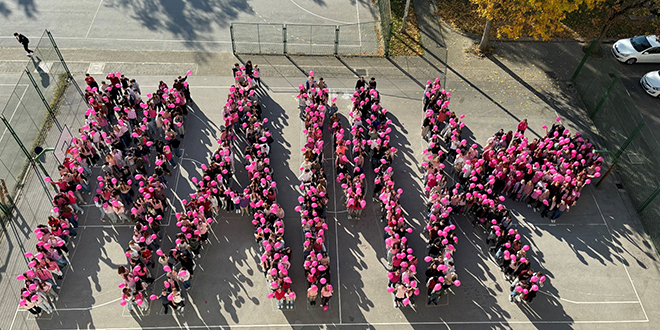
<point>604,98</point>
<point>336,40</point>
<point>231,33</point>
<point>614,162</point>
<point>619,152</point>
<point>57,50</point>
<point>63,62</point>
<point>629,140</point>
<point>43,99</point>
<point>18,140</point>
<point>584,60</point>
<point>649,200</point>
<point>284,38</point>
<point>20,144</point>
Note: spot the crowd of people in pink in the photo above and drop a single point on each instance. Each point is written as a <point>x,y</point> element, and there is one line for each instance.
<point>313,101</point>
<point>124,142</point>
<point>136,143</point>
<point>370,139</point>
<point>546,173</point>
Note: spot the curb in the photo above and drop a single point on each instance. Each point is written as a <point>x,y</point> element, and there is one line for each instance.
<point>521,40</point>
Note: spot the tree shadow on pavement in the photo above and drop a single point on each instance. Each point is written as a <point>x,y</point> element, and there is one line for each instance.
<point>561,102</point>
<point>192,21</point>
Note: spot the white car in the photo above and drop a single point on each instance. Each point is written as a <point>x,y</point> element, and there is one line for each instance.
<point>643,49</point>
<point>651,83</point>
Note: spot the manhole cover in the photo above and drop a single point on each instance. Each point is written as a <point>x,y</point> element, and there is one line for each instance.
<point>619,186</point>
<point>96,68</point>
<point>635,159</point>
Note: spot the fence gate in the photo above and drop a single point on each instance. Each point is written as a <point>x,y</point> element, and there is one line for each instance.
<point>306,39</point>
<point>257,38</point>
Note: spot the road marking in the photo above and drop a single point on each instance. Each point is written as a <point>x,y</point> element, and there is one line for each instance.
<point>20,101</point>
<point>14,319</point>
<point>621,258</point>
<point>93,19</point>
<point>138,40</point>
<point>366,324</point>
<point>588,302</point>
<point>319,16</point>
<point>357,10</point>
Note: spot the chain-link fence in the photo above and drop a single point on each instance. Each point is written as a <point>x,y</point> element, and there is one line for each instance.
<point>45,101</point>
<point>385,32</point>
<point>631,143</point>
<point>306,39</point>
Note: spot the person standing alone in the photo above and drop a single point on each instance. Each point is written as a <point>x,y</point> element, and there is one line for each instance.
<point>23,40</point>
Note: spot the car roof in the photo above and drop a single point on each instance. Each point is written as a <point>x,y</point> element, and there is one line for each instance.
<point>653,40</point>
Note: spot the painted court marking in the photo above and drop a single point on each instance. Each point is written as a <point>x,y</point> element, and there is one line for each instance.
<point>321,17</point>
<point>621,258</point>
<point>93,19</point>
<point>317,325</point>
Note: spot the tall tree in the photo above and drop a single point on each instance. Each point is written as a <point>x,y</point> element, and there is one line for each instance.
<point>617,9</point>
<point>540,18</point>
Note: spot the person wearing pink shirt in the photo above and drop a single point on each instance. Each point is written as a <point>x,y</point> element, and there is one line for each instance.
<point>326,294</point>
<point>522,126</point>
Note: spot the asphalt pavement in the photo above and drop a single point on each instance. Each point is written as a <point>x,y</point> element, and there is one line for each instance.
<point>602,270</point>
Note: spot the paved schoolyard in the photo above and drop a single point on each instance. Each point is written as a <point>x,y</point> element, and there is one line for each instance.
<point>602,271</point>
<point>197,25</point>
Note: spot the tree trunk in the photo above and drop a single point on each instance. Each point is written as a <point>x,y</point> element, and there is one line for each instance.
<point>485,38</point>
<point>405,16</point>
<point>603,32</point>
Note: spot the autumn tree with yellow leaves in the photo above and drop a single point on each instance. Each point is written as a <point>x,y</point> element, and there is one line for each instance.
<point>538,18</point>
<point>618,9</point>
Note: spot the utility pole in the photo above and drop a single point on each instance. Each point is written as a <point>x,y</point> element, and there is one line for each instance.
<point>405,15</point>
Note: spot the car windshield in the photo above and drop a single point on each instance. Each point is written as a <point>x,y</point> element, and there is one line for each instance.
<point>640,43</point>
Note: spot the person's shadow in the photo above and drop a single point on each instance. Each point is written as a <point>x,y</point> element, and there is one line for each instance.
<point>45,77</point>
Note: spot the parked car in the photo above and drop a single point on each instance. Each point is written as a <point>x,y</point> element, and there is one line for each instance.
<point>651,83</point>
<point>642,49</point>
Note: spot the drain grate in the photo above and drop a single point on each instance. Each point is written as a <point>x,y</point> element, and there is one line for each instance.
<point>635,158</point>
<point>619,186</point>
<point>361,72</point>
<point>551,74</point>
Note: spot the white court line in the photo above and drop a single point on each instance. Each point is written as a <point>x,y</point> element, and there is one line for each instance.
<point>192,160</point>
<point>93,19</point>
<point>552,295</point>
<point>87,308</point>
<point>20,101</point>
<point>138,40</point>
<point>14,319</point>
<point>207,126</point>
<point>589,302</point>
<point>565,224</point>
<point>621,258</point>
<point>319,16</point>
<point>357,10</point>
<point>70,259</point>
<point>366,324</point>
<point>176,188</point>
<point>334,195</point>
